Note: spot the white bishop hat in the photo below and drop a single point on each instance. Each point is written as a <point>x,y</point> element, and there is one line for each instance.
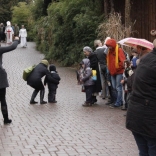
<point>8,23</point>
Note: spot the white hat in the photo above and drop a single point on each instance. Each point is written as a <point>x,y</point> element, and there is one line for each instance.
<point>8,23</point>
<point>107,38</point>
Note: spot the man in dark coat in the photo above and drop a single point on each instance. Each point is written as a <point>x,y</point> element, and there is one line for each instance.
<point>35,81</point>
<point>101,56</point>
<point>2,34</point>
<point>94,65</point>
<point>141,114</point>
<point>4,82</point>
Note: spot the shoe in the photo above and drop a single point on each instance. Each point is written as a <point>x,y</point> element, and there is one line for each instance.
<point>109,103</point>
<point>43,102</point>
<point>87,105</point>
<point>9,121</point>
<point>33,102</point>
<point>94,103</point>
<point>52,102</point>
<point>114,106</point>
<point>124,109</point>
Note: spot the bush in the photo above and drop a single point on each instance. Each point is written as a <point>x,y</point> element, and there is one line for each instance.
<point>69,26</point>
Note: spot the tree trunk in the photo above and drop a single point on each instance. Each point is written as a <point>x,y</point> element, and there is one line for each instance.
<point>112,6</point>
<point>127,15</point>
<point>106,7</point>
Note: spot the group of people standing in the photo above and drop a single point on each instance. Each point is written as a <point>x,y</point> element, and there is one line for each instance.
<point>9,32</point>
<point>108,61</point>
<point>133,85</point>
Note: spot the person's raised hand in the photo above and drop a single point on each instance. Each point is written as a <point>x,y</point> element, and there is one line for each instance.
<point>16,38</point>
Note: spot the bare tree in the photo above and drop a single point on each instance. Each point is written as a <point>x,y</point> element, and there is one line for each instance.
<point>127,15</point>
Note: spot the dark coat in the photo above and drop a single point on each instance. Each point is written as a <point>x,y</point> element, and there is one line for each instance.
<point>2,34</point>
<point>141,114</point>
<point>35,78</point>
<point>3,74</point>
<point>94,65</point>
<point>52,83</point>
<point>130,81</point>
<point>102,59</point>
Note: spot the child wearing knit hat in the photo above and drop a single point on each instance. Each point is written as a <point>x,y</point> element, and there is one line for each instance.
<point>52,84</point>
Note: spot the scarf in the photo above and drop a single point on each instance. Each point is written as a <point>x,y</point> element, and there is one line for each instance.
<point>116,57</point>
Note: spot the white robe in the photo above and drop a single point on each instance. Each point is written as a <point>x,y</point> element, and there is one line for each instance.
<point>23,35</point>
<point>9,34</point>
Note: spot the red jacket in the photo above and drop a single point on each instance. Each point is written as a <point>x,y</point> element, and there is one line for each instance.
<point>111,58</point>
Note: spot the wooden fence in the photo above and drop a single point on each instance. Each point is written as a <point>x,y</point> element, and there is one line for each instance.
<point>143,15</point>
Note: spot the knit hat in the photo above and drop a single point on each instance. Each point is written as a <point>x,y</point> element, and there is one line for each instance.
<point>45,62</point>
<point>52,67</point>
<point>111,43</point>
<point>88,49</point>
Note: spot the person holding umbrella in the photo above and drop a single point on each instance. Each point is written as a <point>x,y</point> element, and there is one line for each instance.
<point>141,114</point>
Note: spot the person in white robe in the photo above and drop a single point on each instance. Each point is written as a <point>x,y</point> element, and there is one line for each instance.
<point>23,36</point>
<point>9,33</point>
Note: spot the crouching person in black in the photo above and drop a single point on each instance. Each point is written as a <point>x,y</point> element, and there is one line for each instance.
<point>35,81</point>
<point>52,84</point>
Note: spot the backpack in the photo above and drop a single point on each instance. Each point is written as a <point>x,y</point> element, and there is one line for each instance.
<point>94,75</point>
<point>27,72</point>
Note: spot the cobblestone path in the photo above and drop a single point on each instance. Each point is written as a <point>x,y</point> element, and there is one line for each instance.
<point>62,129</point>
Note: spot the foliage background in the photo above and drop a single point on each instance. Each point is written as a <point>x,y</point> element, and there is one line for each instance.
<point>61,28</point>
<point>68,27</point>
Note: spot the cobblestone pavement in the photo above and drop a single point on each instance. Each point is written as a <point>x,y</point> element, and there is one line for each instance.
<point>62,129</point>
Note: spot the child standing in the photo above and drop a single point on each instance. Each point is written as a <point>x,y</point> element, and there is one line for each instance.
<point>52,84</point>
<point>86,79</point>
<point>78,73</point>
<point>127,66</point>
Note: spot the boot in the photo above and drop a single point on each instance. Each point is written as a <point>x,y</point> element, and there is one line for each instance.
<point>5,115</point>
<point>87,104</point>
<point>51,98</point>
<point>32,101</point>
<point>42,97</point>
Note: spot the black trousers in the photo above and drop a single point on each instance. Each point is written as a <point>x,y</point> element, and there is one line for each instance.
<point>52,95</point>
<point>4,109</point>
<point>89,94</point>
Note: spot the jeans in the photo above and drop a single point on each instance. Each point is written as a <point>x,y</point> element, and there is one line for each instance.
<point>117,89</point>
<point>146,145</point>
